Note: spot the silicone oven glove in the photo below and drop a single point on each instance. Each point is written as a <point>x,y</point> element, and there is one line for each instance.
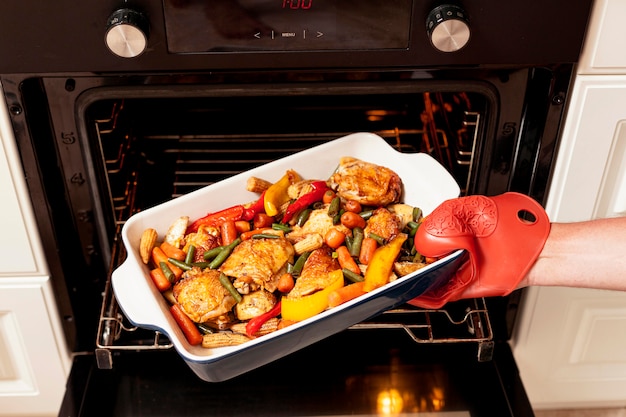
<point>503,236</point>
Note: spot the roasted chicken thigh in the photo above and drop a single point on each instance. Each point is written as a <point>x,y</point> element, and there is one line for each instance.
<point>258,263</point>
<point>367,183</point>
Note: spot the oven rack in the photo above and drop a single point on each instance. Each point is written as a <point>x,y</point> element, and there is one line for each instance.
<point>467,321</point>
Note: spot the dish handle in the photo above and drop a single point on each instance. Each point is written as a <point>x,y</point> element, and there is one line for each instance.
<point>127,282</point>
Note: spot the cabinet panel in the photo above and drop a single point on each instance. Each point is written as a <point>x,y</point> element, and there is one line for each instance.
<point>570,344</point>
<point>603,51</point>
<point>33,365</point>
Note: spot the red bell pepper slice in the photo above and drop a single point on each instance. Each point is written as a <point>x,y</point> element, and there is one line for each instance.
<point>254,209</point>
<point>233,213</point>
<point>319,188</point>
<point>255,323</point>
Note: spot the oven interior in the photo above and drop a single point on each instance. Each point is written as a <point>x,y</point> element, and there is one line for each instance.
<point>155,149</point>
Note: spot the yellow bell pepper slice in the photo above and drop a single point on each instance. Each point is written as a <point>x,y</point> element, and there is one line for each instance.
<point>300,308</point>
<point>276,195</point>
<point>381,264</point>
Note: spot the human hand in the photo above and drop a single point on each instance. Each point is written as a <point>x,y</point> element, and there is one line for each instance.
<point>503,236</point>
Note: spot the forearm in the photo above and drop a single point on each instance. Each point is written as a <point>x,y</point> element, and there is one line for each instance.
<point>589,254</point>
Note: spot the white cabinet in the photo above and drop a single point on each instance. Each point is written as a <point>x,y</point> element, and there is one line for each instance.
<point>34,360</point>
<point>570,344</point>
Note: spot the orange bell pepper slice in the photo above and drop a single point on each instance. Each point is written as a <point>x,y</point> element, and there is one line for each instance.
<point>381,264</point>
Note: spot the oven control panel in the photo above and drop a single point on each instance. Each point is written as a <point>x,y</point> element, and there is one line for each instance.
<point>286,25</point>
<point>174,36</point>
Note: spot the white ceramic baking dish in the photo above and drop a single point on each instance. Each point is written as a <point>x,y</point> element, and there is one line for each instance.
<point>426,185</point>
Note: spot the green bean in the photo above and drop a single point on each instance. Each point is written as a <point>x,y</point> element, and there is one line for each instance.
<point>357,240</point>
<point>225,281</point>
<point>410,244</point>
<point>280,226</point>
<point>412,226</point>
<point>334,207</point>
<point>418,257</point>
<point>200,265</point>
<point>297,267</point>
<point>167,271</point>
<point>366,214</point>
<point>303,217</point>
<point>417,214</point>
<point>191,252</point>
<point>212,253</point>
<point>265,236</point>
<point>225,253</point>
<point>182,265</point>
<point>337,218</point>
<point>204,328</point>
<point>351,276</point>
<point>379,239</point>
<point>349,240</point>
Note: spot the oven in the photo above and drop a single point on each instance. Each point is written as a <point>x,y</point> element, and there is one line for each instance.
<point>118,106</point>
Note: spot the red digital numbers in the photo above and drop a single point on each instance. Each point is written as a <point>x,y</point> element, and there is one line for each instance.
<point>297,4</point>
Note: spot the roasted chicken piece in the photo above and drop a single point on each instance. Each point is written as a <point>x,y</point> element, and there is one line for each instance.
<point>201,295</point>
<point>367,183</point>
<point>405,268</point>
<point>318,223</point>
<point>315,273</point>
<point>383,223</point>
<point>254,304</point>
<point>258,263</point>
<point>206,238</point>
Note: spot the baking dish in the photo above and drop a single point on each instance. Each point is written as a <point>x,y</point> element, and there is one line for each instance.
<point>426,185</point>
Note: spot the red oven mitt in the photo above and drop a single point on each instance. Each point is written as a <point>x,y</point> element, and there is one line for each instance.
<point>503,235</point>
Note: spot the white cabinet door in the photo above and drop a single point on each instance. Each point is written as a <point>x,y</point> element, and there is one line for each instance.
<point>34,361</point>
<point>33,365</point>
<point>570,344</point>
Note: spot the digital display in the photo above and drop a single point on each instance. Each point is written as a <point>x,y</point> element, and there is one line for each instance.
<point>297,4</point>
<point>205,26</point>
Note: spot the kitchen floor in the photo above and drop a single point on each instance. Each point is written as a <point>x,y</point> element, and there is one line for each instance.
<point>598,412</point>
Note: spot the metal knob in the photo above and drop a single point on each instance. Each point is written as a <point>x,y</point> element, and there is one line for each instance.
<point>127,33</point>
<point>448,28</point>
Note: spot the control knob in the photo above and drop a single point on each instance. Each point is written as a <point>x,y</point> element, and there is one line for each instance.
<point>127,33</point>
<point>448,28</point>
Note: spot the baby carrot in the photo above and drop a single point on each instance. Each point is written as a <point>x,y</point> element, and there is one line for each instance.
<point>173,252</point>
<point>159,256</point>
<point>191,332</point>
<point>368,247</point>
<point>159,279</point>
<point>242,226</point>
<point>334,238</point>
<point>344,294</point>
<point>346,261</point>
<point>228,231</point>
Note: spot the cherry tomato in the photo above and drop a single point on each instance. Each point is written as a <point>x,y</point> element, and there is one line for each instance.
<point>353,206</point>
<point>328,196</point>
<point>262,220</point>
<point>334,238</point>
<point>352,220</point>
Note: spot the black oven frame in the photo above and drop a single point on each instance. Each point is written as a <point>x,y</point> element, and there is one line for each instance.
<point>516,154</point>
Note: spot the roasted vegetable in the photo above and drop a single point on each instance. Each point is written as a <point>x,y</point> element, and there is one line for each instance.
<point>381,264</point>
<point>277,194</point>
<point>301,308</point>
